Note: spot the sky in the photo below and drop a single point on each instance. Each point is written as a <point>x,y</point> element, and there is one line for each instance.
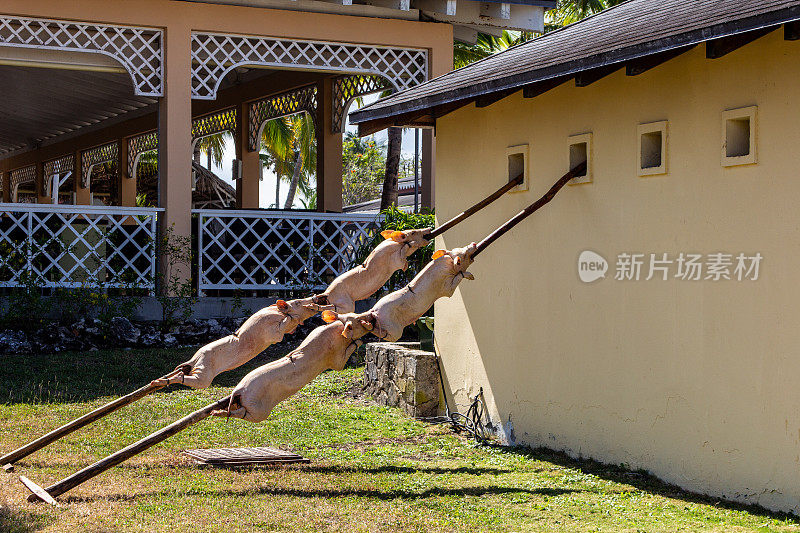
<point>266,188</point>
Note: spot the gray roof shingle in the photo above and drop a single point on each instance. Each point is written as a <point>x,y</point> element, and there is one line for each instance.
<point>630,30</point>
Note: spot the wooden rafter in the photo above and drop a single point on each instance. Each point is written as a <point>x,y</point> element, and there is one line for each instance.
<point>588,77</point>
<point>643,64</point>
<point>717,48</point>
<point>540,87</point>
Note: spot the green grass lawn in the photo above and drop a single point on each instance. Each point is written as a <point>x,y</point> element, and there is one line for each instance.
<point>372,469</point>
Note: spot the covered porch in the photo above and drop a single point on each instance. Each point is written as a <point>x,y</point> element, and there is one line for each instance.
<point>100,121</point>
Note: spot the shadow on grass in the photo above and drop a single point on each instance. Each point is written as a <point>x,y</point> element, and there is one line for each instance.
<point>67,377</point>
<point>335,493</point>
<point>14,521</point>
<point>641,480</point>
<point>395,469</point>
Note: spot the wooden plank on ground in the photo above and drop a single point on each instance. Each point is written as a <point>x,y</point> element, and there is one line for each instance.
<point>38,491</point>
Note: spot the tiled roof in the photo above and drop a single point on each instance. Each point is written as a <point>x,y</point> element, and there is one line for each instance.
<point>631,30</point>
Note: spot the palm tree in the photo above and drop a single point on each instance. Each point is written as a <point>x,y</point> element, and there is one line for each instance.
<point>569,11</point>
<point>566,12</point>
<point>394,143</point>
<point>305,154</point>
<point>213,146</point>
<point>289,147</point>
<point>276,139</point>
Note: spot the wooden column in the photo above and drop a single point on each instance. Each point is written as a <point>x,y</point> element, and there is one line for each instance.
<point>247,188</point>
<point>40,197</point>
<point>329,152</point>
<point>428,170</point>
<point>126,186</point>
<point>5,178</point>
<point>175,142</point>
<point>82,196</point>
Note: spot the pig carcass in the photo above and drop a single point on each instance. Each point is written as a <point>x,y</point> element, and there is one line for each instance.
<point>259,332</point>
<point>327,347</point>
<point>364,280</point>
<point>438,279</point>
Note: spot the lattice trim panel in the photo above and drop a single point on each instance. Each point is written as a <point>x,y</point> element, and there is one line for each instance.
<point>21,176</point>
<point>139,50</point>
<point>215,54</point>
<point>218,122</point>
<point>280,105</point>
<point>106,153</point>
<point>277,251</point>
<point>348,88</point>
<point>61,165</point>
<point>78,246</point>
<point>146,142</point>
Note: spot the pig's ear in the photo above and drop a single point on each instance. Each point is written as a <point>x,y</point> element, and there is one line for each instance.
<point>457,261</point>
<point>398,236</point>
<point>282,305</point>
<point>328,316</point>
<point>438,253</point>
<point>367,325</point>
<point>347,332</point>
<point>387,234</point>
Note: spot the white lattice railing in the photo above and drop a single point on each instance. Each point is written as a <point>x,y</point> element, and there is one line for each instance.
<point>74,246</point>
<point>263,250</point>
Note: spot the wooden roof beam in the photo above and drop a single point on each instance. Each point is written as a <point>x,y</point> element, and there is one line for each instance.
<point>485,100</point>
<point>540,87</point>
<point>717,48</point>
<point>588,77</point>
<point>643,64</point>
<point>791,31</point>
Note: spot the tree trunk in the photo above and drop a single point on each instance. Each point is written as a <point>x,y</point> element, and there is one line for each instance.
<point>298,166</point>
<point>277,190</point>
<point>197,153</point>
<point>389,195</point>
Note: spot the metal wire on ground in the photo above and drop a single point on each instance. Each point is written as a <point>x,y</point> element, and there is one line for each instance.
<point>472,422</point>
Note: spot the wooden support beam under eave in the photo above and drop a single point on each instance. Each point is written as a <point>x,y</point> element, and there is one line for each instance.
<point>717,48</point>
<point>486,100</point>
<point>588,77</point>
<point>791,31</point>
<point>540,87</point>
<point>641,65</point>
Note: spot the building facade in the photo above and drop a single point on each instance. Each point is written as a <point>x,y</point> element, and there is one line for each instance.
<point>684,371</point>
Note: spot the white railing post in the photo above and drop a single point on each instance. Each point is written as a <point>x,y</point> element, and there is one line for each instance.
<point>200,254</point>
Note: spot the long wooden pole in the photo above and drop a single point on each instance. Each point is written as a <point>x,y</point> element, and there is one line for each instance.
<point>475,208</point>
<point>525,213</point>
<point>78,423</point>
<point>134,449</point>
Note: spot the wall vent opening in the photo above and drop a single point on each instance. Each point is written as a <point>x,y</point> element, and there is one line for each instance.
<point>739,136</point>
<point>580,151</point>
<point>517,157</point>
<point>652,148</point>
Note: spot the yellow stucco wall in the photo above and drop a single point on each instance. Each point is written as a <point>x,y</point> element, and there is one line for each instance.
<point>695,381</point>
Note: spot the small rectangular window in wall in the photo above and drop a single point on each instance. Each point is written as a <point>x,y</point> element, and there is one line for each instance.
<point>739,136</point>
<point>580,151</point>
<point>652,148</point>
<point>517,157</point>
